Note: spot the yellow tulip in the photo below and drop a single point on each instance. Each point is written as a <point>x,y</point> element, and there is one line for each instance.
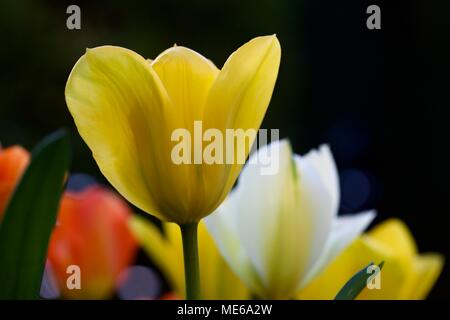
<point>164,248</point>
<point>126,108</point>
<point>405,274</point>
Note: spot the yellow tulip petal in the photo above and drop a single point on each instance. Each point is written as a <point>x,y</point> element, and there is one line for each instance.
<point>209,262</point>
<point>405,275</point>
<point>150,238</point>
<point>118,102</point>
<point>426,270</point>
<point>187,77</point>
<point>157,248</point>
<point>358,255</point>
<point>172,234</point>
<point>240,96</point>
<point>243,89</point>
<point>393,275</point>
<point>395,233</point>
<point>165,250</point>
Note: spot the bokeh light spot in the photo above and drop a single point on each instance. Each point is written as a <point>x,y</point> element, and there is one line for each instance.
<point>356,190</point>
<point>139,283</point>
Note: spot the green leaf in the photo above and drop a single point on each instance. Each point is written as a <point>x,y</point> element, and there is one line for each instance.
<point>30,217</point>
<point>356,284</point>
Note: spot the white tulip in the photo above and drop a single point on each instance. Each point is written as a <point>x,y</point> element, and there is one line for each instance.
<point>279,231</point>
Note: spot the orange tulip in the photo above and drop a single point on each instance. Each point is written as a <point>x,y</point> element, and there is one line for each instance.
<point>169,296</point>
<point>13,162</point>
<point>92,233</point>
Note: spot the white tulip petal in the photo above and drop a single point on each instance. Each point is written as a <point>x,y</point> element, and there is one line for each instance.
<point>258,206</point>
<point>274,235</point>
<point>345,229</point>
<point>317,204</point>
<point>222,226</point>
<point>322,159</point>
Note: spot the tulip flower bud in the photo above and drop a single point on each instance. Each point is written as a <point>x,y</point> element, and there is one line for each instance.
<point>13,162</point>
<point>92,240</point>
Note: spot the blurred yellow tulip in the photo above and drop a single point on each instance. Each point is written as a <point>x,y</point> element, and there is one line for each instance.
<point>405,274</point>
<point>165,250</point>
<point>126,108</point>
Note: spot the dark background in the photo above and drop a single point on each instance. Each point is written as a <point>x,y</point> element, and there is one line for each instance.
<point>378,97</point>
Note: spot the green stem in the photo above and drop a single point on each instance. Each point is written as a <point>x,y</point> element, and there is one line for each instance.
<point>191,265</point>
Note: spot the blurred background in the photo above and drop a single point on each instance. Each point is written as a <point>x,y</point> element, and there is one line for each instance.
<point>378,97</point>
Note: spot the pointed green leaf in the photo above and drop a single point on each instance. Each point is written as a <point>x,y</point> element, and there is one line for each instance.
<point>30,217</point>
<point>356,284</point>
